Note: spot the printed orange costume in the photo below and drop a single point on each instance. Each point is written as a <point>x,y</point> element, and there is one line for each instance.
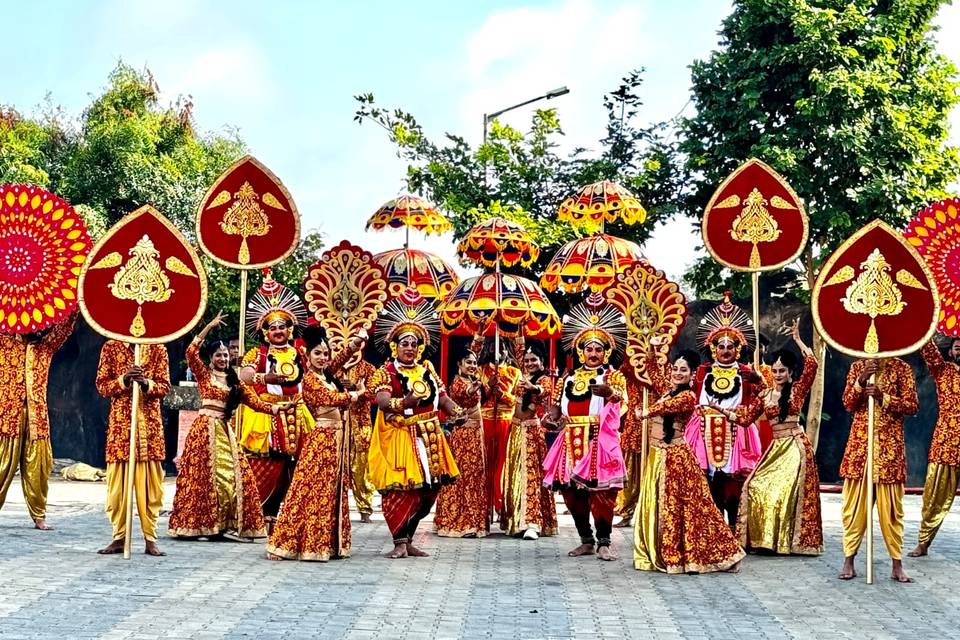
<point>496,409</point>
<point>273,443</point>
<point>409,456</point>
<point>216,490</point>
<point>529,507</point>
<point>462,507</point>
<point>314,523</point>
<point>24,419</point>
<point>678,527</point>
<point>895,380</point>
<point>943,461</point>
<point>116,358</point>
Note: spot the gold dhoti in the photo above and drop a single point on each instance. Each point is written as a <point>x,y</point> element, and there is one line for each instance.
<point>34,458</point>
<point>938,493</point>
<point>148,491</point>
<point>889,501</point>
<point>627,500</point>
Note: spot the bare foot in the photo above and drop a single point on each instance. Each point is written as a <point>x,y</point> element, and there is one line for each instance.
<point>413,552</point>
<point>624,523</point>
<point>735,568</point>
<point>365,518</point>
<point>582,550</point>
<point>920,551</point>
<point>399,551</point>
<point>114,547</point>
<point>41,523</point>
<point>151,549</point>
<point>604,553</point>
<point>898,575</point>
<point>847,572</point>
<point>273,556</point>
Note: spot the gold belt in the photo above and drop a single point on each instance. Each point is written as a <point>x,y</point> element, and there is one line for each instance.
<point>500,414</point>
<point>529,423</point>
<point>408,421</point>
<point>786,429</point>
<point>583,420</point>
<point>211,412</point>
<point>272,397</point>
<point>331,424</point>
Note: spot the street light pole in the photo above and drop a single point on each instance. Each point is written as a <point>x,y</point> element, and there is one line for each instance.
<point>487,117</point>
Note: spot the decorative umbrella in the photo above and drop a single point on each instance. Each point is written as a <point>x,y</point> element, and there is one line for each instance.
<point>498,241</point>
<point>600,202</point>
<point>429,274</point>
<point>935,233</point>
<point>43,244</point>
<point>411,212</point>
<point>510,303</point>
<point>589,263</point>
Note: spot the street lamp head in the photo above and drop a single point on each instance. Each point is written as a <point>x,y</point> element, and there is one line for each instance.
<point>556,93</point>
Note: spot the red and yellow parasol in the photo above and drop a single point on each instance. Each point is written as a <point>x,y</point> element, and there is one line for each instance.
<point>600,202</point>
<point>498,242</point>
<point>506,304</point>
<point>43,244</point>
<point>429,274</point>
<point>935,233</point>
<point>589,263</point>
<point>411,212</point>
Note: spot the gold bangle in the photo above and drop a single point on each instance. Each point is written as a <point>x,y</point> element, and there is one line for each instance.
<point>259,378</point>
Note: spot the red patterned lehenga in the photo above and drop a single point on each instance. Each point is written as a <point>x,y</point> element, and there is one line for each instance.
<point>216,490</point>
<point>678,527</point>
<point>462,506</point>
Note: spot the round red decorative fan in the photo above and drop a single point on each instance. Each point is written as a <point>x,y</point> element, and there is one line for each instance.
<point>935,233</point>
<point>43,244</point>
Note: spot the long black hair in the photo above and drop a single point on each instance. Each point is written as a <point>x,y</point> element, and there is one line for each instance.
<point>669,421</point>
<point>527,401</point>
<point>788,360</point>
<point>313,336</point>
<point>235,396</point>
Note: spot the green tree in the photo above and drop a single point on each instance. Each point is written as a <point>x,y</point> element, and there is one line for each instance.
<point>524,177</point>
<point>848,99</point>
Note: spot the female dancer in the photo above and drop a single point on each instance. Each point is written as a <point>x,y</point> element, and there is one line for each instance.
<point>314,521</point>
<point>462,506</point>
<point>678,526</point>
<point>529,508</point>
<point>216,490</point>
<point>780,504</point>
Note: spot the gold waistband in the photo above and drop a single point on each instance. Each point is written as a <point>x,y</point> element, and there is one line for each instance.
<point>528,423</point>
<point>211,412</point>
<point>580,420</point>
<point>272,397</point>
<point>406,421</point>
<point>332,424</point>
<point>787,429</point>
<point>499,414</point>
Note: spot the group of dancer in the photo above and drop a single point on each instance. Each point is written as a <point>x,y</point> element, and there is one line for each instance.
<point>286,432</point>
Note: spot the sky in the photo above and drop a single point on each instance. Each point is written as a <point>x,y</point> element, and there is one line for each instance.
<point>284,74</point>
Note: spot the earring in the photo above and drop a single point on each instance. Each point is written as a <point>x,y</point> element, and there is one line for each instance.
<point>420,351</point>
<point>393,350</point>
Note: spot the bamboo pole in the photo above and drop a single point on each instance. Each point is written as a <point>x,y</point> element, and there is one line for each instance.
<point>645,433</point>
<point>131,460</point>
<point>755,281</point>
<point>243,311</point>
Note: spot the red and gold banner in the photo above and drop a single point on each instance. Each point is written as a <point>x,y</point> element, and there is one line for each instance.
<point>652,306</point>
<point>875,296</point>
<point>247,219</point>
<point>345,291</point>
<point>43,244</point>
<point>143,282</point>
<point>935,232</point>
<point>754,221</point>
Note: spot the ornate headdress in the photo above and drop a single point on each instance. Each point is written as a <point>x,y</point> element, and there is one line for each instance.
<point>408,314</point>
<point>726,323</point>
<point>272,302</point>
<point>594,321</point>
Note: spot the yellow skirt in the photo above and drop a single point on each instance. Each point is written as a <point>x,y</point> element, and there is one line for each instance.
<point>678,527</point>
<point>394,457</point>
<point>256,427</point>
<point>780,503</point>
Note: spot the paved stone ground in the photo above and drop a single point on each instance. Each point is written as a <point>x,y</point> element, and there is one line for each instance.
<point>54,586</point>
